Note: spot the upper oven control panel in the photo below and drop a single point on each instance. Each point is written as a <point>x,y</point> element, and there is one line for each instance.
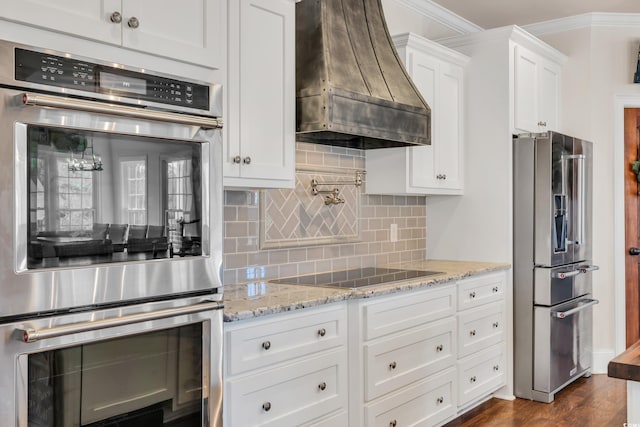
<point>94,78</point>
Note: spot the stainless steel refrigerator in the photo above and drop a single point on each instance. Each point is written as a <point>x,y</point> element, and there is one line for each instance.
<point>553,267</point>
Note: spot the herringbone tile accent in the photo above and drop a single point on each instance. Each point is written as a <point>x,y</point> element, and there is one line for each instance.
<point>295,217</point>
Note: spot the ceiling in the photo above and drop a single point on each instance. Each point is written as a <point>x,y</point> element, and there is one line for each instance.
<point>497,13</point>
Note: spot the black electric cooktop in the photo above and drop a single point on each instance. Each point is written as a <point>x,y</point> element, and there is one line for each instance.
<point>355,278</point>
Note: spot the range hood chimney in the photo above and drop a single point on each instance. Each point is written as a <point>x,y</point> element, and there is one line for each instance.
<point>351,88</point>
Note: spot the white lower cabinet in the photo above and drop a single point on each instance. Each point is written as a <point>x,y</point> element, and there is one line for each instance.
<point>287,369</point>
<point>481,338</point>
<point>419,357</point>
<point>291,394</point>
<point>481,373</point>
<point>408,356</point>
<point>427,402</point>
<point>402,358</point>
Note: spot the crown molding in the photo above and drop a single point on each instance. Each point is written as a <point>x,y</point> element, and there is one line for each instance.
<point>442,16</point>
<point>585,20</point>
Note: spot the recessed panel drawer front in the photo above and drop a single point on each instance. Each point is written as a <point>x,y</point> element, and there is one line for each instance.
<point>393,314</point>
<point>481,373</point>
<point>480,328</point>
<point>269,341</point>
<point>338,419</point>
<point>403,358</point>
<point>425,403</point>
<point>481,290</point>
<point>290,395</point>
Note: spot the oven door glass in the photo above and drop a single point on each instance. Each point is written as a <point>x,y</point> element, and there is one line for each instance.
<point>95,198</point>
<point>152,380</point>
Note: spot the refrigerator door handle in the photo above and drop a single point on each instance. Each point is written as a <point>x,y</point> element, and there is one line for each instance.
<point>583,269</point>
<point>587,303</point>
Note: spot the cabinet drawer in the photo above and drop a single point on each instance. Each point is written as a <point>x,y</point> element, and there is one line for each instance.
<point>481,327</point>
<point>480,290</point>
<point>267,341</point>
<point>291,394</point>
<point>392,314</point>
<point>339,419</point>
<point>481,373</point>
<point>406,357</point>
<point>426,403</point>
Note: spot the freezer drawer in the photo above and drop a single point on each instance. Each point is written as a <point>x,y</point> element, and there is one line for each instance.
<point>562,343</point>
<point>560,284</point>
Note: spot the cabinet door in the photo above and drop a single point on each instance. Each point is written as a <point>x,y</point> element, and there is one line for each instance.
<point>189,31</point>
<point>292,394</point>
<point>424,73</point>
<point>261,93</point>
<point>84,18</point>
<point>526,90</point>
<point>424,403</point>
<point>549,98</point>
<point>403,358</point>
<point>450,127</point>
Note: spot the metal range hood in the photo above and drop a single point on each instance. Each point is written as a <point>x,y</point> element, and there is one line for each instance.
<point>351,88</point>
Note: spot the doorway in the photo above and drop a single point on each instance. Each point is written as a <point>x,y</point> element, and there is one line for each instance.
<point>631,224</point>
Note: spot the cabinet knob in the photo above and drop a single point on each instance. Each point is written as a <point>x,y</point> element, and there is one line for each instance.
<point>393,423</point>
<point>322,332</point>
<point>495,289</point>
<point>472,295</point>
<point>496,324</point>
<point>472,333</point>
<point>439,348</point>
<point>266,345</point>
<point>133,22</point>
<point>237,159</point>
<point>444,176</point>
<point>266,406</point>
<point>440,400</point>
<point>473,379</point>
<point>541,123</point>
<point>246,160</point>
<point>496,368</point>
<point>322,386</point>
<point>116,18</point>
<point>393,365</point>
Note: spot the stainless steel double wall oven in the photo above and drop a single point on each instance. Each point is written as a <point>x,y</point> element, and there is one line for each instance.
<point>111,222</point>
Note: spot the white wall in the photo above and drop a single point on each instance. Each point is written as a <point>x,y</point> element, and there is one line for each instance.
<point>600,66</point>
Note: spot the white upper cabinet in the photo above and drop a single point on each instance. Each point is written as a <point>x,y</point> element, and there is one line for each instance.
<point>260,114</point>
<point>536,92</point>
<point>438,74</point>
<point>189,31</point>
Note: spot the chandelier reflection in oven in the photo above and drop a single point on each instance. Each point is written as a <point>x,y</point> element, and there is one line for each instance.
<point>82,164</point>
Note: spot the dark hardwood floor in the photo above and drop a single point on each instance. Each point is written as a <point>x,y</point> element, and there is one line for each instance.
<point>598,401</point>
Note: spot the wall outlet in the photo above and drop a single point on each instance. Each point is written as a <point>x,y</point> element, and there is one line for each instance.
<point>393,232</point>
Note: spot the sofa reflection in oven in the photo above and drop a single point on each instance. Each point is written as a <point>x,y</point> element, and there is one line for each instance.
<point>103,239</point>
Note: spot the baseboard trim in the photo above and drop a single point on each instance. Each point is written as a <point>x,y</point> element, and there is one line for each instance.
<point>601,361</point>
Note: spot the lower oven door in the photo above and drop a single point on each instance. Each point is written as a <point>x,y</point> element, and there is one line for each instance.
<point>562,343</point>
<point>152,365</point>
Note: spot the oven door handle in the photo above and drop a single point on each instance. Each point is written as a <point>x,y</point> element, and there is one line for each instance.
<point>33,335</point>
<point>40,100</point>
<point>587,303</point>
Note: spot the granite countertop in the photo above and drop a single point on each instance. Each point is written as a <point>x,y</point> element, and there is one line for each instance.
<point>262,298</point>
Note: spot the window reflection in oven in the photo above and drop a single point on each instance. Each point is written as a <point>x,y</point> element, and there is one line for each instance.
<point>99,197</point>
<point>152,380</point>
